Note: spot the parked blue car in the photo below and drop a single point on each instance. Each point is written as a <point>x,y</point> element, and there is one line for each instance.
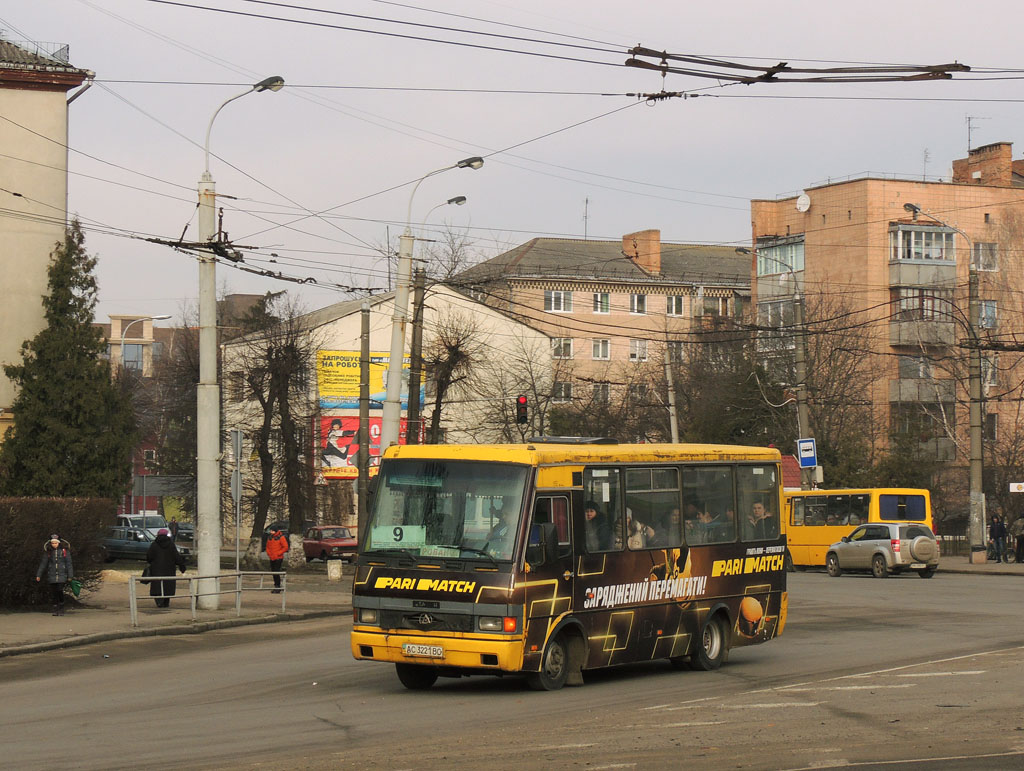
<point>131,543</point>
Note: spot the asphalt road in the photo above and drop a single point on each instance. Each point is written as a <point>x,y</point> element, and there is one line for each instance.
<point>874,674</point>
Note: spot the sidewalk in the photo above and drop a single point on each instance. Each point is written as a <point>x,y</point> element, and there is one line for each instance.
<point>104,614</point>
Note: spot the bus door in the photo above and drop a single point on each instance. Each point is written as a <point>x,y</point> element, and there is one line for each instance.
<point>550,577</point>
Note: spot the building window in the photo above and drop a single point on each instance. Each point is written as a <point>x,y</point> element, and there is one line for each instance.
<point>602,349</point>
<point>676,351</point>
<point>987,314</point>
<point>989,370</point>
<point>561,391</point>
<point>561,348</point>
<point>235,382</point>
<point>921,304</point>
<point>149,456</point>
<point>131,356</point>
<point>914,367</point>
<point>991,426</point>
<point>922,243</point>
<point>775,320</point>
<point>602,303</point>
<point>985,257</point>
<point>638,350</point>
<point>557,301</point>
<point>638,303</point>
<point>921,421</point>
<point>638,392</point>
<point>711,306</point>
<point>780,256</point>
<point>601,393</point>
<point>675,305</point>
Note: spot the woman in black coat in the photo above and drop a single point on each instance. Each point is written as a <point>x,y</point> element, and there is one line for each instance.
<point>163,557</point>
<point>56,566</point>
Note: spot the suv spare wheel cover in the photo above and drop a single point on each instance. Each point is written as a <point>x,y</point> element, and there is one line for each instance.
<point>922,548</point>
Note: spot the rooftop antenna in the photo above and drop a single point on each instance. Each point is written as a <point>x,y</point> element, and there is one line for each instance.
<point>970,125</point>
<point>586,216</point>
<point>924,170</point>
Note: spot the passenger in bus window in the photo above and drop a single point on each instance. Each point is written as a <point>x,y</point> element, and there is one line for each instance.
<point>669,533</point>
<point>501,536</point>
<point>640,534</point>
<point>598,531</point>
<point>831,520</point>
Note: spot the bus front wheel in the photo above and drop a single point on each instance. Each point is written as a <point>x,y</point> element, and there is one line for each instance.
<point>554,667</point>
<point>416,677</point>
<point>711,647</point>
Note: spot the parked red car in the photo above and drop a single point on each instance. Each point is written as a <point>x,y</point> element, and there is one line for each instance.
<point>329,542</point>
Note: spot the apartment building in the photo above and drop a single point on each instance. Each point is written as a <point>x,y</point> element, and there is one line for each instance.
<point>34,81</point>
<point>895,257</point>
<point>610,307</point>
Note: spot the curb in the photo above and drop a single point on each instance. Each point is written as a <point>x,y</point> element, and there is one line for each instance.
<point>161,631</point>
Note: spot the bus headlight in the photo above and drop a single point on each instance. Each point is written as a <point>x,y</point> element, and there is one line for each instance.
<point>367,615</point>
<point>498,624</point>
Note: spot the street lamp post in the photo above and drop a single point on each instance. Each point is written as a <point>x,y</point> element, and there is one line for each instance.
<point>120,353</point>
<point>392,412</point>
<point>124,330</point>
<point>208,530</point>
<point>976,523</point>
<point>803,417</point>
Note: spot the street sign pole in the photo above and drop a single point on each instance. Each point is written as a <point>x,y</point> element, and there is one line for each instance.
<point>236,489</point>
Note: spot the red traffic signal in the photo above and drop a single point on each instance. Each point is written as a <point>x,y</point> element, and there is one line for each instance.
<point>521,416</point>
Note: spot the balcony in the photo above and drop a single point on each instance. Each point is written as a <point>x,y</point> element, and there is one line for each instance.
<point>921,390</point>
<point>922,332</point>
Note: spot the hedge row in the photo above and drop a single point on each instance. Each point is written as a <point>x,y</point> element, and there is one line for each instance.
<point>25,527</point>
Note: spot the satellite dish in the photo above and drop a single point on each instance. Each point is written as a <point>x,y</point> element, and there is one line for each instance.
<point>803,202</point>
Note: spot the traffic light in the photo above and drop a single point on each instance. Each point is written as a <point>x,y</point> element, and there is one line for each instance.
<point>521,416</point>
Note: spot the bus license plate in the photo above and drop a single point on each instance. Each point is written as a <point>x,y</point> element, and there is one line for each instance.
<point>429,651</point>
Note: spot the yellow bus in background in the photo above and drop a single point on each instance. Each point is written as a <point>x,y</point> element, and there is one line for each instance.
<point>816,519</point>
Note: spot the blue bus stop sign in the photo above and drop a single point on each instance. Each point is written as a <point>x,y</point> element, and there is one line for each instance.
<point>807,453</point>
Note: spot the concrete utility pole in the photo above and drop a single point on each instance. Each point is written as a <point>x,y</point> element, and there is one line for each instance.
<point>673,419</point>
<point>392,412</point>
<point>364,421</point>
<point>412,431</point>
<point>976,522</point>
<point>803,417</point>
<point>208,524</point>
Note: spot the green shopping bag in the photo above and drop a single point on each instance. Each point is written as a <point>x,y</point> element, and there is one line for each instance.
<point>76,586</point>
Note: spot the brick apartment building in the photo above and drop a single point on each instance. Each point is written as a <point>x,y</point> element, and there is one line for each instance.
<point>897,255</point>
<point>611,307</point>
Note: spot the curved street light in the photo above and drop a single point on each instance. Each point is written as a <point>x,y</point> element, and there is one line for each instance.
<point>208,390</point>
<point>124,331</point>
<point>392,412</point>
<point>976,521</point>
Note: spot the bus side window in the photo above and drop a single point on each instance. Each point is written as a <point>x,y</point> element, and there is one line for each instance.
<point>556,510</point>
<point>798,511</point>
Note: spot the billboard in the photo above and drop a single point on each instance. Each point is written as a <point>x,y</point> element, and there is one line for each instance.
<point>338,445</point>
<point>337,374</point>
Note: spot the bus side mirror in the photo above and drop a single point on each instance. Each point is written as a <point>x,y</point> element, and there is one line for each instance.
<point>543,545</point>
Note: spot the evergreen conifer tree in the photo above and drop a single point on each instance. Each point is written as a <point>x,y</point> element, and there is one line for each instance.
<point>74,427</point>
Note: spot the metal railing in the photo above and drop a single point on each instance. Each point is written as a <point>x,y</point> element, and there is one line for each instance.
<point>193,589</point>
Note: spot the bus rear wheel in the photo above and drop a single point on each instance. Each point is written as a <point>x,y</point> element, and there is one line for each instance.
<point>554,667</point>
<point>711,648</point>
<point>416,677</point>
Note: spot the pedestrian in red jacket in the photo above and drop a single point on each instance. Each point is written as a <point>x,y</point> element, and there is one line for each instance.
<point>277,547</point>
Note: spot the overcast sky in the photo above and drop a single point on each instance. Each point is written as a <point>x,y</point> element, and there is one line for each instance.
<point>365,115</point>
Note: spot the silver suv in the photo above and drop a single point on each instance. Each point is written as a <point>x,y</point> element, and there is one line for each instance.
<point>883,548</point>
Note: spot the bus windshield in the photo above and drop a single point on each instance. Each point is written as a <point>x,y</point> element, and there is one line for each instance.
<point>444,508</point>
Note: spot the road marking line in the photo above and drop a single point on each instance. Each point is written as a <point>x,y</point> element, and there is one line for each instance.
<point>683,704</point>
<point>690,725</point>
<point>565,747</point>
<point>944,674</point>
<point>775,705</point>
<point>850,688</point>
<point>907,761</point>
